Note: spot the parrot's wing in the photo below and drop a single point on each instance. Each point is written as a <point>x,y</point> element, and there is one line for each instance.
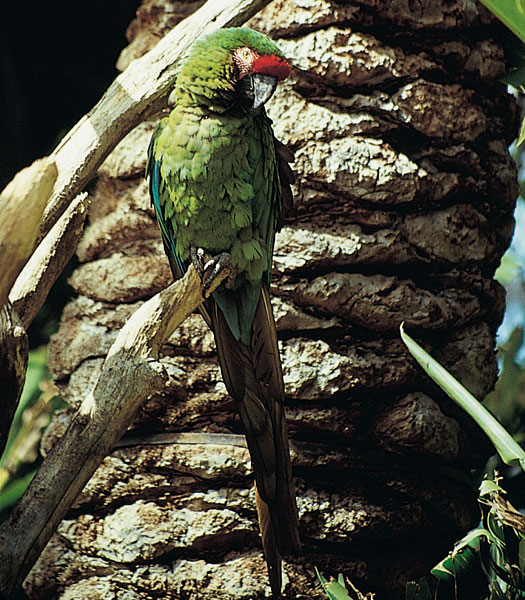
<point>157,191</point>
<point>269,209</point>
<point>156,188</point>
<point>284,157</point>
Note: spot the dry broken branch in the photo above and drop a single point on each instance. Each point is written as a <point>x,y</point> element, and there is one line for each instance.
<point>14,348</point>
<point>130,372</point>
<point>138,92</point>
<point>21,204</point>
<point>32,286</point>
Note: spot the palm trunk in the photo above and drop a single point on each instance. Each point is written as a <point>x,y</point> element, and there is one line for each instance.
<point>404,202</point>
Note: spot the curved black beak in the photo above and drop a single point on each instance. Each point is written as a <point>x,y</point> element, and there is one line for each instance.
<point>257,88</point>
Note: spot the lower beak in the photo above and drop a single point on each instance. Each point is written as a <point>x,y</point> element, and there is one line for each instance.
<point>257,88</point>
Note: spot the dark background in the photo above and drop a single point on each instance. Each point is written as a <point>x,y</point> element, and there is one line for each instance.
<point>56,60</point>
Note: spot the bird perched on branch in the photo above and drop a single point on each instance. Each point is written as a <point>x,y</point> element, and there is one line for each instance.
<point>218,182</point>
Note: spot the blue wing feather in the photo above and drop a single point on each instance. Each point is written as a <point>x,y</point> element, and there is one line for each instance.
<point>166,228</point>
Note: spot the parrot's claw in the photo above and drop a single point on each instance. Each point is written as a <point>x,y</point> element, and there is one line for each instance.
<point>210,270</point>
<point>218,265</point>
<point>197,260</point>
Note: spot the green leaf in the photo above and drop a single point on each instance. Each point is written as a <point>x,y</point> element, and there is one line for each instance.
<point>335,590</point>
<point>511,13</point>
<point>455,565</point>
<point>488,486</point>
<point>508,268</point>
<point>521,136</point>
<point>507,400</point>
<point>36,372</point>
<point>515,76</point>
<point>509,450</point>
<point>496,530</point>
<point>14,490</point>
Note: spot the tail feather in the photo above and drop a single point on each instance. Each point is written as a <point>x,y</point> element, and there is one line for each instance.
<point>269,544</point>
<point>252,374</point>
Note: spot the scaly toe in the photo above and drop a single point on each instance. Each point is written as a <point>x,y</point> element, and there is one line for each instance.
<point>218,265</point>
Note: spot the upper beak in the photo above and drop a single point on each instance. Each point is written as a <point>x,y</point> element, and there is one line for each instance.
<point>263,88</point>
<point>258,88</point>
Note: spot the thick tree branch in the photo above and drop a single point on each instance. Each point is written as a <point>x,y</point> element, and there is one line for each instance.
<point>130,372</point>
<point>137,93</point>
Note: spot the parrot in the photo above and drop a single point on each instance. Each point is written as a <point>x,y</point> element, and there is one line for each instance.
<point>219,182</point>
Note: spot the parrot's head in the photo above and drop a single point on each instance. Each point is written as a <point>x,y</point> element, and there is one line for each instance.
<point>232,66</point>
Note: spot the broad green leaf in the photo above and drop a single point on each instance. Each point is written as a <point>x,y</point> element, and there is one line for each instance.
<point>454,565</point>
<point>335,590</point>
<point>509,450</point>
<point>462,555</point>
<point>511,13</point>
<point>324,582</point>
<point>515,77</point>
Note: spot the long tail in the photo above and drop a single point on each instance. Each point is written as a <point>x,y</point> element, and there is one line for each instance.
<point>252,374</point>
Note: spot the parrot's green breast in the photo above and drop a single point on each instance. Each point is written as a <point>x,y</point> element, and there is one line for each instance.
<point>215,179</point>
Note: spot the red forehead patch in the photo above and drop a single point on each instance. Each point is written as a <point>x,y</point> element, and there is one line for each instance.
<point>272,65</point>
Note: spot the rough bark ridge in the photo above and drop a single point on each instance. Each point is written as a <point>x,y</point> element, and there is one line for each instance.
<point>404,206</point>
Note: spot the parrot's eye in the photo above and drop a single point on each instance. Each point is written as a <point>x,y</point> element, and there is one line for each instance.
<point>246,53</point>
<point>244,58</point>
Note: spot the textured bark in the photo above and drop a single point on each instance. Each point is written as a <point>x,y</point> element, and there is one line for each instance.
<point>404,202</point>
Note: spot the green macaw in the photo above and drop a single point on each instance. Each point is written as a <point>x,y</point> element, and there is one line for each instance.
<point>218,182</point>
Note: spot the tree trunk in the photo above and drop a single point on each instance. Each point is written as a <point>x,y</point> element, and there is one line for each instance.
<point>404,202</point>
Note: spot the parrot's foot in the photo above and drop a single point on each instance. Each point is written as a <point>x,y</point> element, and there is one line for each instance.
<point>212,268</point>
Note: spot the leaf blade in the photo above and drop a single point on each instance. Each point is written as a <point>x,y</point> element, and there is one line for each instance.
<point>510,451</point>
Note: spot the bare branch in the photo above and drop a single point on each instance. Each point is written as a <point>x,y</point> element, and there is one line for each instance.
<point>32,286</point>
<point>21,205</point>
<point>13,363</point>
<point>130,372</point>
<point>137,93</point>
